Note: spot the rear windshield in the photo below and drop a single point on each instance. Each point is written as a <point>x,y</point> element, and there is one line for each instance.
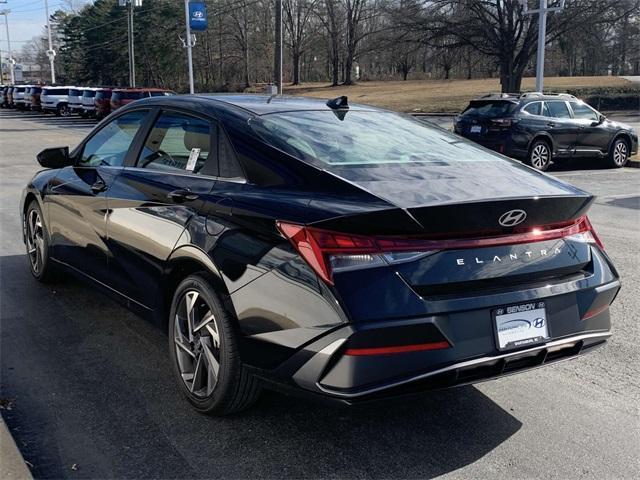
<point>18,90</point>
<point>489,108</point>
<point>74,93</point>
<point>102,95</point>
<point>362,138</point>
<point>36,90</point>
<point>126,95</point>
<point>55,91</point>
<point>88,94</point>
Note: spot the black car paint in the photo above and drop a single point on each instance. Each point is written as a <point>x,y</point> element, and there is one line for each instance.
<point>137,243</point>
<point>568,137</point>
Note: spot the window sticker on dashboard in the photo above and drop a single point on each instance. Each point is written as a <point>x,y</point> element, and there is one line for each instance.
<point>193,159</point>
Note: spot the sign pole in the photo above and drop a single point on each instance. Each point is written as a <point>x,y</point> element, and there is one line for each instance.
<point>10,58</point>
<point>542,35</point>
<point>542,12</point>
<point>51,53</point>
<point>278,49</point>
<point>189,45</point>
<point>132,55</point>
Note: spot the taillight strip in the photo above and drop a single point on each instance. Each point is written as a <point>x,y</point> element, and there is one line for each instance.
<point>316,245</point>
<point>418,347</point>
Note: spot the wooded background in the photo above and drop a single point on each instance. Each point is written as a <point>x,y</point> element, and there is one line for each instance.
<point>341,42</point>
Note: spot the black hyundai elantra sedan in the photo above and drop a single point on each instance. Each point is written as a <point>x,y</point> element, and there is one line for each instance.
<point>341,251</point>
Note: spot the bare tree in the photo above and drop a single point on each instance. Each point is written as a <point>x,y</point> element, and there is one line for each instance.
<point>297,16</point>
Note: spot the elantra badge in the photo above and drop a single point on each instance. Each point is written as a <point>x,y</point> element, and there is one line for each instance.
<point>512,218</point>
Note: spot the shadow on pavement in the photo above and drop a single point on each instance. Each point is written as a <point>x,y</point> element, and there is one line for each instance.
<point>92,387</point>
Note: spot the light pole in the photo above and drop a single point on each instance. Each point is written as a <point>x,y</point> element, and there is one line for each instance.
<point>189,45</point>
<point>6,13</point>
<point>51,53</point>
<point>542,11</point>
<point>278,50</point>
<point>130,4</point>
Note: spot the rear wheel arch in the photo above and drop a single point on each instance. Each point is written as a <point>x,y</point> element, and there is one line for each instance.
<point>186,261</point>
<point>543,137</point>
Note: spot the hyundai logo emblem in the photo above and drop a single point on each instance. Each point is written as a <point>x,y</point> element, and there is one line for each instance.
<point>198,14</point>
<point>512,218</point>
<point>538,322</point>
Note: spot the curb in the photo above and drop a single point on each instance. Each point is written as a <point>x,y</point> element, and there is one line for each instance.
<point>633,164</point>
<point>12,465</point>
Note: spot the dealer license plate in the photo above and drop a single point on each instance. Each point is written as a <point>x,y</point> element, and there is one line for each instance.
<point>521,325</point>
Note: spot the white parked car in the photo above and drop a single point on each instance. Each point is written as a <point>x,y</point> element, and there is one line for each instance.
<point>19,93</point>
<point>56,99</point>
<point>88,102</point>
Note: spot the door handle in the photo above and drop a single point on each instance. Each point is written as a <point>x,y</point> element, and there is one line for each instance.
<point>98,187</point>
<point>181,195</point>
<point>551,124</point>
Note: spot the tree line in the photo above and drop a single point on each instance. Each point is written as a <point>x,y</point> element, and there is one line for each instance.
<point>342,41</point>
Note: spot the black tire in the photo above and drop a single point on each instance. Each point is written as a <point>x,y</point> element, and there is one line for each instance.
<point>63,110</point>
<point>37,243</point>
<point>539,156</point>
<point>195,349</point>
<point>618,153</point>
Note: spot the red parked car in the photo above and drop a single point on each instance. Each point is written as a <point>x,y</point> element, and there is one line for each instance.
<point>36,106</point>
<point>122,96</point>
<point>102,101</point>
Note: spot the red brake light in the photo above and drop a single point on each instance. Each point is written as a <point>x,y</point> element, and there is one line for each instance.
<point>319,247</point>
<point>419,347</point>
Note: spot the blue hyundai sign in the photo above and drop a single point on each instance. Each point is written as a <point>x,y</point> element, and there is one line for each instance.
<point>198,16</point>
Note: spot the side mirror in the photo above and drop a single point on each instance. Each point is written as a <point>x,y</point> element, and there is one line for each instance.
<point>56,157</point>
<point>601,118</point>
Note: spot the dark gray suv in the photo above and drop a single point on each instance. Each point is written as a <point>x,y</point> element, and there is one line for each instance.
<point>541,128</point>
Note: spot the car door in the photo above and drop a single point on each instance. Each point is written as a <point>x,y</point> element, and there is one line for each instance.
<point>155,197</point>
<point>594,136</point>
<point>77,201</point>
<point>562,128</point>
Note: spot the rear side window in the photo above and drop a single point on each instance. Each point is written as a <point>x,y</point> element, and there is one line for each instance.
<point>558,109</point>
<point>126,95</point>
<point>56,91</point>
<point>103,95</point>
<point>159,94</point>
<point>489,108</point>
<point>110,145</point>
<point>74,93</point>
<point>88,94</point>
<point>178,143</point>
<point>227,161</point>
<point>534,108</point>
<point>583,111</point>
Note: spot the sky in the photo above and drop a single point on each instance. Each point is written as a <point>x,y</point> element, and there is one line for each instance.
<point>27,19</point>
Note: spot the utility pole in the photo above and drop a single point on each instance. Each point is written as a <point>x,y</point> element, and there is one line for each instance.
<point>131,4</point>
<point>542,12</point>
<point>277,75</point>
<point>6,13</point>
<point>189,45</point>
<point>51,53</point>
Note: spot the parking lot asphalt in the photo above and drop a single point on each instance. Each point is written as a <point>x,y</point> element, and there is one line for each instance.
<point>86,387</point>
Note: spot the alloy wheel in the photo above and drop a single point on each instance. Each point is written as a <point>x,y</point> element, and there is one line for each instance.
<point>540,156</point>
<point>197,344</point>
<point>620,153</point>
<point>35,240</point>
<point>64,111</point>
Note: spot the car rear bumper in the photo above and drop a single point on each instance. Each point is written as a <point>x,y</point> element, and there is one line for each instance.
<point>578,321</point>
<point>327,369</point>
